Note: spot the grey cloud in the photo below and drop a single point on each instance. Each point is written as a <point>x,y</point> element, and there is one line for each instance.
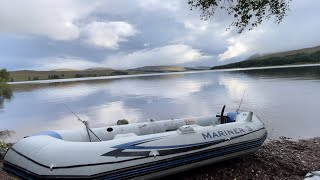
<point>166,55</point>
<point>298,30</point>
<point>157,24</point>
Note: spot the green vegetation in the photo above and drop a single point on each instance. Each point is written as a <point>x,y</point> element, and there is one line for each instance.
<point>245,13</point>
<point>55,76</point>
<point>28,75</point>
<point>156,69</point>
<point>116,73</point>
<point>303,56</point>
<point>4,75</point>
<point>5,91</point>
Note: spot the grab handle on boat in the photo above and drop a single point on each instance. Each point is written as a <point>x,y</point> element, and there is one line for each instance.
<point>51,167</point>
<point>154,153</point>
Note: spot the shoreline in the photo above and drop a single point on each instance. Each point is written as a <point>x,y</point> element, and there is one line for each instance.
<point>156,74</point>
<point>276,159</point>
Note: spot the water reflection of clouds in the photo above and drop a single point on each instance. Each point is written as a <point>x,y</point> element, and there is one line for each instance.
<point>110,113</point>
<point>66,93</point>
<point>276,101</point>
<point>98,115</point>
<point>163,88</point>
<point>258,96</point>
<point>234,86</point>
<point>135,99</point>
<point>173,88</point>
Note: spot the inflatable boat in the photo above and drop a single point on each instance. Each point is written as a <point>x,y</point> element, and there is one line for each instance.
<point>140,150</point>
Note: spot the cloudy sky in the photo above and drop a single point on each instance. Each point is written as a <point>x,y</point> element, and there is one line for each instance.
<point>79,34</point>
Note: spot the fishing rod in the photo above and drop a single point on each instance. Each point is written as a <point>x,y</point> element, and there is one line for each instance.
<point>85,123</point>
<point>244,92</point>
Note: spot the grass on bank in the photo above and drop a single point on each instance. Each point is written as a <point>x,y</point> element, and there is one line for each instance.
<point>30,75</point>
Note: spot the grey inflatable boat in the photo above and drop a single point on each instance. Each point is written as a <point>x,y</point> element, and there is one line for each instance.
<point>140,150</point>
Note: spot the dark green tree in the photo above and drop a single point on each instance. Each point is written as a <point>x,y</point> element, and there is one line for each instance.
<point>5,90</point>
<point>4,76</point>
<point>245,13</point>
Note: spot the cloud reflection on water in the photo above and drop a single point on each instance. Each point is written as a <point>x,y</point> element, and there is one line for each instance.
<point>285,105</point>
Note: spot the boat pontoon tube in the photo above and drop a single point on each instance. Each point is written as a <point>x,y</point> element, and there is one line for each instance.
<point>145,150</point>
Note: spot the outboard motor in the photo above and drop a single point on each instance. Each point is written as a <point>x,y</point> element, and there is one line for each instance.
<point>223,119</point>
<point>231,116</point>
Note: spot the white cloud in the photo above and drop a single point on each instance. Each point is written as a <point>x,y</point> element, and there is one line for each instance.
<point>196,25</point>
<point>155,5</point>
<point>108,34</point>
<point>297,30</point>
<point>177,54</point>
<point>62,20</point>
<point>160,23</point>
<point>165,55</point>
<point>51,63</point>
<point>55,19</point>
<point>235,49</point>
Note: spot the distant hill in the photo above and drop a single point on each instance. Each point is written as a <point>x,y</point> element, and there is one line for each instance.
<point>99,69</point>
<point>299,56</point>
<point>198,68</point>
<point>287,53</point>
<point>170,68</point>
<point>64,69</point>
<point>160,69</point>
<point>64,73</point>
<point>29,75</point>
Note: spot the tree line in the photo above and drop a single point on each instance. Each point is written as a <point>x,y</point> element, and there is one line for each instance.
<point>301,58</point>
<point>5,90</point>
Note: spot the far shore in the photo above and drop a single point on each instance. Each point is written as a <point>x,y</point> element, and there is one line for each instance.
<point>154,74</point>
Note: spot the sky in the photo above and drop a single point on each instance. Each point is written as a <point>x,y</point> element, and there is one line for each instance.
<point>80,34</point>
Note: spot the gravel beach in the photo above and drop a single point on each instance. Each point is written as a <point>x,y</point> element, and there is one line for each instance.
<point>277,159</point>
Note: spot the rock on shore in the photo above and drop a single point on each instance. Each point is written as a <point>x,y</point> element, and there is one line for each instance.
<point>277,159</point>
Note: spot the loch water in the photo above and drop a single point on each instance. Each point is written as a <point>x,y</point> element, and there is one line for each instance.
<point>287,100</point>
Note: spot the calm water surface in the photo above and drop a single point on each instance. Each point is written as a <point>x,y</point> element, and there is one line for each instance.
<point>287,100</point>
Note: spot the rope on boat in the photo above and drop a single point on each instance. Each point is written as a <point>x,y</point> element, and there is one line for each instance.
<point>85,123</point>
